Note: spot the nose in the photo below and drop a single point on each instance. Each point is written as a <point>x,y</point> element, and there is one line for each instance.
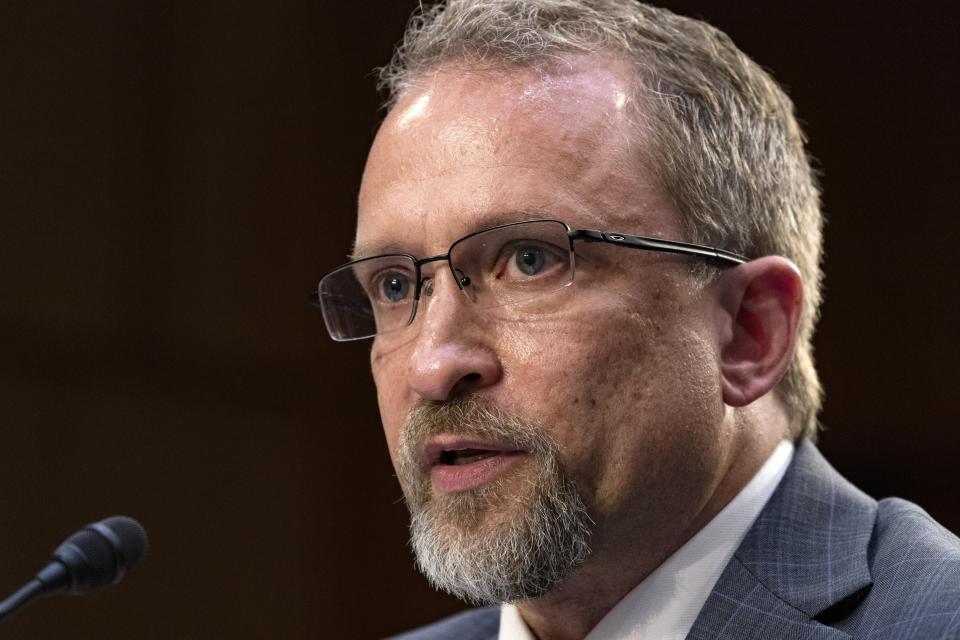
<point>454,350</point>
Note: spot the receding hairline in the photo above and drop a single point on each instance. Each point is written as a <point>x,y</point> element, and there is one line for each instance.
<point>620,62</point>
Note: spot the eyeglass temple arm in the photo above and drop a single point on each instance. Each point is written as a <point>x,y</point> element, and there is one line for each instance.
<point>653,244</point>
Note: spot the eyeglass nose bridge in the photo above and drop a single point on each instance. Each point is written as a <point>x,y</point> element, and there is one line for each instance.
<point>427,282</point>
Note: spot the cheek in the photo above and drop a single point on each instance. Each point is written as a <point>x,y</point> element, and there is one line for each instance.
<point>579,372</point>
<point>389,381</point>
<point>626,393</point>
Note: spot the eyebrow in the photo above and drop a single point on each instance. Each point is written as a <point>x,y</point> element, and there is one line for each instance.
<point>359,252</point>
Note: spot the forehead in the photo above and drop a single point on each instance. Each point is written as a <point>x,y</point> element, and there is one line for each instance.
<point>468,149</point>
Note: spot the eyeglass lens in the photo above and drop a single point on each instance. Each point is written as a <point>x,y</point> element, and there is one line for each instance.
<point>505,265</point>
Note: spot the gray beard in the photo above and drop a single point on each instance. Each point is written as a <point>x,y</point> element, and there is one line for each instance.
<point>495,543</point>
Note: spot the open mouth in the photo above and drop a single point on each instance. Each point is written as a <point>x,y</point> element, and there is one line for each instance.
<point>457,464</point>
<point>459,457</point>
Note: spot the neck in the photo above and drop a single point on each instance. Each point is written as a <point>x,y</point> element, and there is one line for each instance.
<point>624,553</point>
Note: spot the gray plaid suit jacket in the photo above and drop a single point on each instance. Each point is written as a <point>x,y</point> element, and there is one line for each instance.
<point>823,561</point>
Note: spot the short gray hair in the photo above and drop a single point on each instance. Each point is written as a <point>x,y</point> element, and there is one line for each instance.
<point>725,144</point>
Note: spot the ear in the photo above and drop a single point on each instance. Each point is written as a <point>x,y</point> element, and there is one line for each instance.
<point>759,310</point>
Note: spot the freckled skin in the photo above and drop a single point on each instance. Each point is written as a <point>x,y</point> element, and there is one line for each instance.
<point>622,367</point>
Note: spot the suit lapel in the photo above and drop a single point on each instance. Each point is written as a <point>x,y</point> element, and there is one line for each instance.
<point>805,554</point>
<point>742,607</point>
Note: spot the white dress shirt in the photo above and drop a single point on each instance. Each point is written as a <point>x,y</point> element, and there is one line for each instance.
<point>665,605</point>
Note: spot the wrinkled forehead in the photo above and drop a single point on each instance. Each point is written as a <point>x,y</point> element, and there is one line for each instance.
<point>476,136</point>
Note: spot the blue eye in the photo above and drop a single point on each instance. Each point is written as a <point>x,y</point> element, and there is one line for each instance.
<point>530,260</point>
<point>395,286</point>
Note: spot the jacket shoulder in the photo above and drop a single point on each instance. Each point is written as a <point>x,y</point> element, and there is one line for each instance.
<point>915,566</point>
<point>910,547</point>
<point>474,624</point>
<point>903,526</point>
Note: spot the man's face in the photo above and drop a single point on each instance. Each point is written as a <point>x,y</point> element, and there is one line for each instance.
<point>619,372</point>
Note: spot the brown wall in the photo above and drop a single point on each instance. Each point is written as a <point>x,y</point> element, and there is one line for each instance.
<point>175,176</point>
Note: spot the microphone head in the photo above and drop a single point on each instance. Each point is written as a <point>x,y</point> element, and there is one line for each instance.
<point>102,552</point>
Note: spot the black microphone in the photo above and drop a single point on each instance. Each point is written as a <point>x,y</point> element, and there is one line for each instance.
<point>100,553</point>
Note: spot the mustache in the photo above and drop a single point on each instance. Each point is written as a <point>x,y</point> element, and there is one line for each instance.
<point>473,416</point>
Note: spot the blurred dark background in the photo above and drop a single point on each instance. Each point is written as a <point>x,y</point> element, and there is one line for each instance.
<point>175,176</point>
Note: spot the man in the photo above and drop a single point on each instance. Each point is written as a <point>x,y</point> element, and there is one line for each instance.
<point>588,248</point>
